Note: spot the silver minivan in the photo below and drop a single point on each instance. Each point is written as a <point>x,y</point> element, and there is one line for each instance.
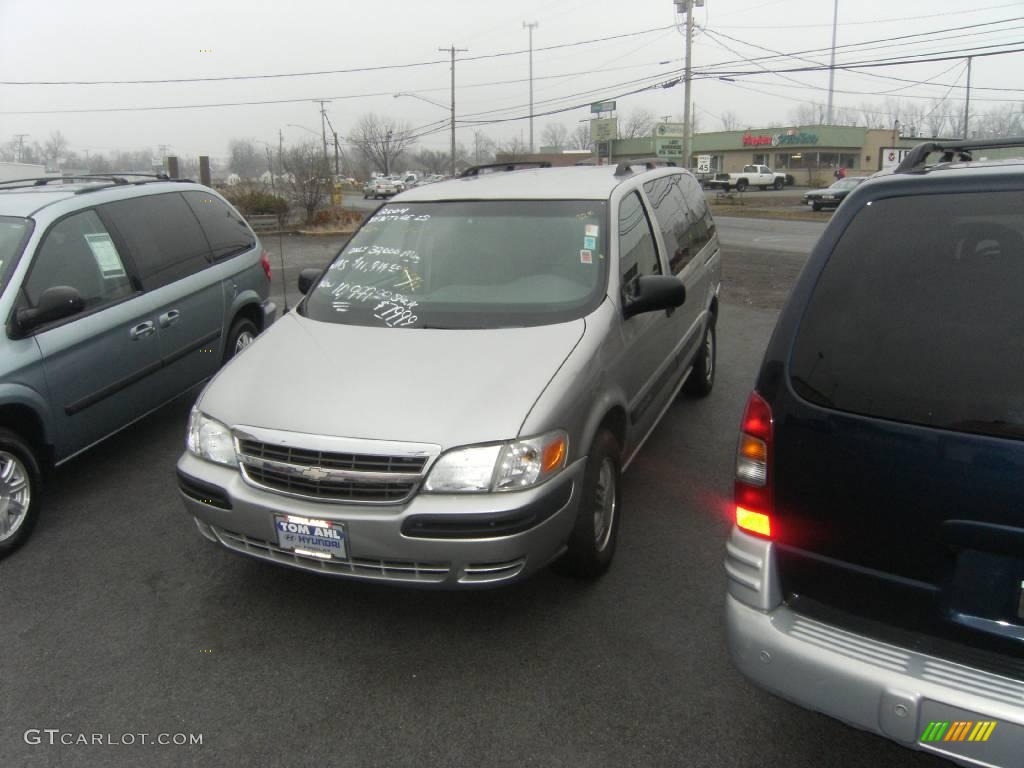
<point>118,294</point>
<point>455,398</point>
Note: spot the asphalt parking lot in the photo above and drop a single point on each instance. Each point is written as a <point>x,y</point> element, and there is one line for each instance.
<point>118,618</point>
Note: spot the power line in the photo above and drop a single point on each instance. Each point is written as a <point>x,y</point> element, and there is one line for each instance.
<point>329,71</point>
<point>871,21</point>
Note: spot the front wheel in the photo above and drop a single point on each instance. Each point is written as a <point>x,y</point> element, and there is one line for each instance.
<point>592,542</point>
<point>243,333</point>
<point>816,206</point>
<point>20,491</point>
<point>741,185</point>
<point>777,185</point>
<point>702,378</point>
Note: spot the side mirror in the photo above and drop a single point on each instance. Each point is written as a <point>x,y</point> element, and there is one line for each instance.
<point>55,303</point>
<point>307,279</point>
<point>655,292</point>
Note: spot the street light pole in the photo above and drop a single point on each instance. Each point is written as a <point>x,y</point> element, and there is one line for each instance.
<point>687,138</point>
<point>323,125</point>
<point>453,50</point>
<point>832,65</point>
<point>531,26</point>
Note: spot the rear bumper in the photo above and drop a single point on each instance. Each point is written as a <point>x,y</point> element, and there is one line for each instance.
<point>888,690</point>
<point>269,310</point>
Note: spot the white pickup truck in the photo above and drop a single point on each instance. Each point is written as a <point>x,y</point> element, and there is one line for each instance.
<point>751,176</point>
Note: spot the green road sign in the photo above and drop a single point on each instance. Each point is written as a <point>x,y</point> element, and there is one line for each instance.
<point>668,147</point>
<point>602,106</point>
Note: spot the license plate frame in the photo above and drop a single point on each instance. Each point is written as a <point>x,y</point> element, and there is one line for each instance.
<point>313,537</point>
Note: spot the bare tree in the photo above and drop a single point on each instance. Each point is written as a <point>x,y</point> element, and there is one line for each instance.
<point>246,159</point>
<point>381,140</point>
<point>309,175</point>
<point>555,135</point>
<point>431,161</point>
<point>808,113</point>
<point>580,138</point>
<point>871,116</point>
<point>639,123</point>
<point>955,118</point>
<point>1000,121</point>
<point>55,148</point>
<point>912,116</point>
<point>935,120</point>
<point>514,149</point>
<point>730,121</point>
<point>483,148</point>
<point>845,116</point>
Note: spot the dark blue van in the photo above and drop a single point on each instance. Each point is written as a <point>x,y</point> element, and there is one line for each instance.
<point>876,568</point>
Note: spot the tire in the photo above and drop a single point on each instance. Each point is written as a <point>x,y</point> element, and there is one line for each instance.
<point>762,187</point>
<point>702,378</point>
<point>19,510</point>
<point>726,187</point>
<point>779,184</point>
<point>741,185</point>
<point>816,206</point>
<point>243,332</point>
<point>592,543</point>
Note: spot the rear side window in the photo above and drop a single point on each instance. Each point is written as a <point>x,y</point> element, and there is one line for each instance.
<point>681,214</point>
<point>163,236</point>
<point>637,254</point>
<point>918,315</point>
<point>227,232</point>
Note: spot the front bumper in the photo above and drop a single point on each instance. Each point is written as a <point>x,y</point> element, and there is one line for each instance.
<point>888,690</point>
<point>438,553</point>
<point>269,310</point>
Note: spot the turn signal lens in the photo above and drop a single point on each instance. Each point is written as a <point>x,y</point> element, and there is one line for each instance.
<point>265,263</point>
<point>554,455</point>
<point>755,522</point>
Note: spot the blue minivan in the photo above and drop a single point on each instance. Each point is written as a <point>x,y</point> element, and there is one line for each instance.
<point>118,293</point>
<point>876,566</point>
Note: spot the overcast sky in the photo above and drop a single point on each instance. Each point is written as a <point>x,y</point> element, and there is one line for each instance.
<point>61,40</point>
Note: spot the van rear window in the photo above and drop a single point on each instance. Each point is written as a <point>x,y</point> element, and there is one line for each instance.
<point>918,315</point>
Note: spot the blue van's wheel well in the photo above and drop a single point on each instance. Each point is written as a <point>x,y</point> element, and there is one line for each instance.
<point>26,423</point>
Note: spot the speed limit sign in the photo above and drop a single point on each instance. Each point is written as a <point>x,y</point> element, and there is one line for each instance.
<point>703,163</point>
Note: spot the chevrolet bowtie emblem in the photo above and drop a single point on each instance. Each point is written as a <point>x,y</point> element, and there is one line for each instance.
<point>315,473</point>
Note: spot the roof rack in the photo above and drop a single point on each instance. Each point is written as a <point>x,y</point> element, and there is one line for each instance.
<point>649,164</point>
<point>477,170</point>
<point>957,149</point>
<point>116,178</point>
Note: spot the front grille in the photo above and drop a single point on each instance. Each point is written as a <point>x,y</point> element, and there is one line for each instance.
<point>358,462</point>
<point>329,490</point>
<point>330,475</point>
<point>366,568</point>
<point>480,573</point>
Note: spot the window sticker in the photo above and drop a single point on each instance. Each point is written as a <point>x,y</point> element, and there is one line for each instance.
<point>591,230</point>
<point>586,257</point>
<point>590,243</point>
<point>105,253</point>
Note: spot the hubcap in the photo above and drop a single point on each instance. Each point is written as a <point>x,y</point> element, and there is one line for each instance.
<point>604,505</point>
<point>709,356</point>
<point>15,494</point>
<point>244,340</point>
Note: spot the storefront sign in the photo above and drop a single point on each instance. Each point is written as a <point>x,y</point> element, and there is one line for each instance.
<point>602,106</point>
<point>779,139</point>
<point>670,129</point>
<point>668,147</point>
<point>603,129</point>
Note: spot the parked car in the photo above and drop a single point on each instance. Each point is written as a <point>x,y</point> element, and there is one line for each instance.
<point>119,293</point>
<point>518,335</point>
<point>833,195</point>
<point>760,176</point>
<point>369,188</point>
<point>384,187</point>
<point>876,568</point>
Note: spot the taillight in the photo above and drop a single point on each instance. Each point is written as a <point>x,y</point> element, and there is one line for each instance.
<point>753,462</point>
<point>265,261</point>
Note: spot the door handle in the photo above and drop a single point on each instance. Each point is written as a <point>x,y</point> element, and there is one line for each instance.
<point>142,330</point>
<point>169,318</point>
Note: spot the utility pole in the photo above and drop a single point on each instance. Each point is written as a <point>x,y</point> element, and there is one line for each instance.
<point>531,26</point>
<point>387,152</point>
<point>832,65</point>
<point>323,124</point>
<point>967,102</point>
<point>337,164</point>
<point>453,50</point>
<point>686,7</point>
<point>21,145</point>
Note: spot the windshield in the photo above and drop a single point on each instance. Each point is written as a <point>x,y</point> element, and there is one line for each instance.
<point>13,234</point>
<point>468,264</point>
<point>846,183</point>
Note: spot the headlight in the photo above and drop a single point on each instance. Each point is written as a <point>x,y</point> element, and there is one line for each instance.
<point>511,466</point>
<point>209,439</point>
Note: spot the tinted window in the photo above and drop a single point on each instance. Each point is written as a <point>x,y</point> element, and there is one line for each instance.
<point>682,216</point>
<point>13,234</point>
<point>637,254</point>
<point>468,264</point>
<point>163,235</point>
<point>918,315</point>
<point>79,252</point>
<point>226,231</point>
